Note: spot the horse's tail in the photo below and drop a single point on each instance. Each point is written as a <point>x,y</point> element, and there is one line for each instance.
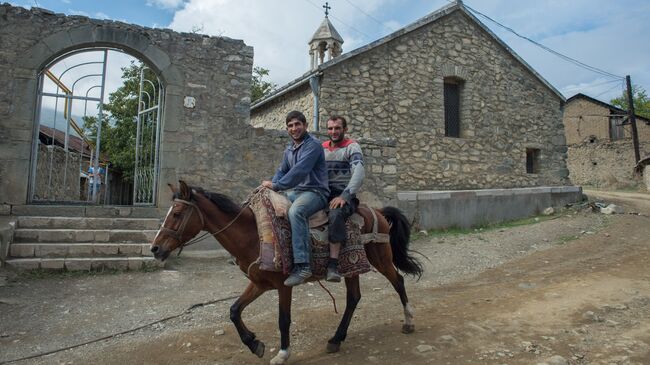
<point>400,234</point>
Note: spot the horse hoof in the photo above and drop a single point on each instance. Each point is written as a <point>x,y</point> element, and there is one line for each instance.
<point>281,357</point>
<point>333,347</point>
<point>259,348</point>
<point>408,328</point>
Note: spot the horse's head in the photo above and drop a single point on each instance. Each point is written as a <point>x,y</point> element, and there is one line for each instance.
<point>183,221</point>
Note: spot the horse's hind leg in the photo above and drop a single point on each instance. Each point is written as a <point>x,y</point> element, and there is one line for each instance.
<point>352,299</point>
<point>251,293</point>
<point>383,263</point>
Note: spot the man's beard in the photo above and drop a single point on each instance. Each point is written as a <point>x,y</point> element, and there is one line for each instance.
<point>340,139</point>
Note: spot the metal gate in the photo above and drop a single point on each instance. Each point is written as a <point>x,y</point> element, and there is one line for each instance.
<point>148,131</point>
<point>69,163</point>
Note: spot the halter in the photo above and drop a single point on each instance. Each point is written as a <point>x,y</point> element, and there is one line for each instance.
<point>177,234</point>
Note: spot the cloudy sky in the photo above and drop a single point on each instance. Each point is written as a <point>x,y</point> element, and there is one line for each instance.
<point>609,35</point>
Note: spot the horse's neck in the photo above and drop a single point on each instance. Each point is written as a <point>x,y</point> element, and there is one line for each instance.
<point>239,238</point>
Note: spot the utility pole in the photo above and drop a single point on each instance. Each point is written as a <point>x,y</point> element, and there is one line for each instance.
<point>631,117</point>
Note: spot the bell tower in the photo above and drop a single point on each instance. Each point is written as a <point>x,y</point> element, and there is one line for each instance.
<point>326,40</point>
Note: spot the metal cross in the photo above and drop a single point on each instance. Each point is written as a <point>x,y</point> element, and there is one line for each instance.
<point>327,8</point>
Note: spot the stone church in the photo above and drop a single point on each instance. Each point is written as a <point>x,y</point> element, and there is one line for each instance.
<point>464,110</point>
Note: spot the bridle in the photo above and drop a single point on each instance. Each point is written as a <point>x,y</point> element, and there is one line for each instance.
<point>178,233</point>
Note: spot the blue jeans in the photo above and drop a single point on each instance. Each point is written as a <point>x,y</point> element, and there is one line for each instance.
<point>304,204</point>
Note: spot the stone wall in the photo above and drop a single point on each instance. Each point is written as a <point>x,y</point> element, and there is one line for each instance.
<point>604,164</point>
<point>211,145</point>
<point>396,90</point>
<point>593,158</point>
<point>62,180</point>
<point>300,99</point>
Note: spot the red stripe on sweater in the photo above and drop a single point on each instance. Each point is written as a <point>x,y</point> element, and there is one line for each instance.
<point>344,143</point>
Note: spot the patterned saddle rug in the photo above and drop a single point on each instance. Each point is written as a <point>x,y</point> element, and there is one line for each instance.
<point>276,253</point>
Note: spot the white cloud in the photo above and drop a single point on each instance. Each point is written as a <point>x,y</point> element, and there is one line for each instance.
<point>597,32</point>
<point>278,30</point>
<point>165,4</point>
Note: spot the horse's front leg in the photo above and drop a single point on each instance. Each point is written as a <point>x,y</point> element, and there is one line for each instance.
<point>352,299</point>
<point>251,293</point>
<point>284,322</point>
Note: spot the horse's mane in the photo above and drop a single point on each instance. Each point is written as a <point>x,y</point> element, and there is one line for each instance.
<point>223,202</point>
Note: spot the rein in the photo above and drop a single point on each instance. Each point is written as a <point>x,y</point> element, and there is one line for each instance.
<point>177,234</point>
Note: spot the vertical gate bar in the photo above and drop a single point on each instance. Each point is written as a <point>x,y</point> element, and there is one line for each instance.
<point>99,125</point>
<point>136,180</point>
<point>154,190</point>
<point>65,147</point>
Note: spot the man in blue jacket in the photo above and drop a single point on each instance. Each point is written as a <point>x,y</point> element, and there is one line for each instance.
<point>303,169</point>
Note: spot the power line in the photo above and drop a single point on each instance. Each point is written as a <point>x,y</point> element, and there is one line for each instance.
<point>593,85</point>
<point>608,90</point>
<point>340,21</point>
<point>370,16</point>
<point>566,58</point>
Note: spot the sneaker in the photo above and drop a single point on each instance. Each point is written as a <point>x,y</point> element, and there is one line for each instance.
<point>299,274</point>
<point>333,275</point>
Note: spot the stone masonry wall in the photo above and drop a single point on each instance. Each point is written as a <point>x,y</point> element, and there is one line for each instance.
<point>604,164</point>
<point>396,90</point>
<point>594,159</point>
<point>210,145</point>
<point>300,99</point>
<point>62,180</point>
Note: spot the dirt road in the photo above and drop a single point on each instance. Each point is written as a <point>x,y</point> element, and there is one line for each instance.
<point>570,290</point>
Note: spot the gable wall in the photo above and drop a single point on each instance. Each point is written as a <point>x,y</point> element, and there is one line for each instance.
<point>583,119</point>
<point>397,90</point>
<point>602,162</point>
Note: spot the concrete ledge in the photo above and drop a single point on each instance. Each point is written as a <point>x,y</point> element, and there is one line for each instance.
<point>468,208</point>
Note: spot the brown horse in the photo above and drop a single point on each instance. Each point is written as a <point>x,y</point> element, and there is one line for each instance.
<point>194,209</point>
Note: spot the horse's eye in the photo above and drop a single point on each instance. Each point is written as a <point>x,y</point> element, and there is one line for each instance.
<point>176,214</point>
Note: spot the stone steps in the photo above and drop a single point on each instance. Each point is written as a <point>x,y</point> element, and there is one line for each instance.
<point>53,238</point>
<point>63,250</point>
<point>30,235</point>
<point>84,263</point>
<point>87,223</point>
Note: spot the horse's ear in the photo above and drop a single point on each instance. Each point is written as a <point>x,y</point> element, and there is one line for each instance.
<point>185,192</point>
<point>172,188</point>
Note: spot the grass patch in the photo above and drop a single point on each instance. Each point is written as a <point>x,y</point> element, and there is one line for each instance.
<point>457,231</point>
<point>564,239</point>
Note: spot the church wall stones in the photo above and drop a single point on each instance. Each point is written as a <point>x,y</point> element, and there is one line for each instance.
<point>395,90</point>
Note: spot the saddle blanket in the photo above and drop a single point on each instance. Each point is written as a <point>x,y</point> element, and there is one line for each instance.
<point>276,253</point>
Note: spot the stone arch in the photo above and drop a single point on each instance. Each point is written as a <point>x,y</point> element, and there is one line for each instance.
<point>91,35</point>
<point>212,73</point>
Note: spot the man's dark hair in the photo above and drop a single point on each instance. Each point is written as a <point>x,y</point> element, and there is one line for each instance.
<point>338,117</point>
<point>295,115</point>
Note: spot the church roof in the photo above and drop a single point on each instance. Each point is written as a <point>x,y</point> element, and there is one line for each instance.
<point>426,20</point>
<point>326,31</point>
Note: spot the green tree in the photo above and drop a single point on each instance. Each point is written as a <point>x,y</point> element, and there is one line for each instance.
<point>641,101</point>
<point>119,127</point>
<point>260,87</point>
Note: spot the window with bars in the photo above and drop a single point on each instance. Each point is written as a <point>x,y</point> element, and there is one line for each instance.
<point>452,88</point>
<point>532,160</point>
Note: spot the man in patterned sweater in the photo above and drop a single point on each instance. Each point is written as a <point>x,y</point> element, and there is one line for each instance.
<point>345,172</point>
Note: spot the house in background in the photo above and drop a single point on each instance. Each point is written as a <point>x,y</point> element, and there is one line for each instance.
<point>599,140</point>
<point>465,111</point>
